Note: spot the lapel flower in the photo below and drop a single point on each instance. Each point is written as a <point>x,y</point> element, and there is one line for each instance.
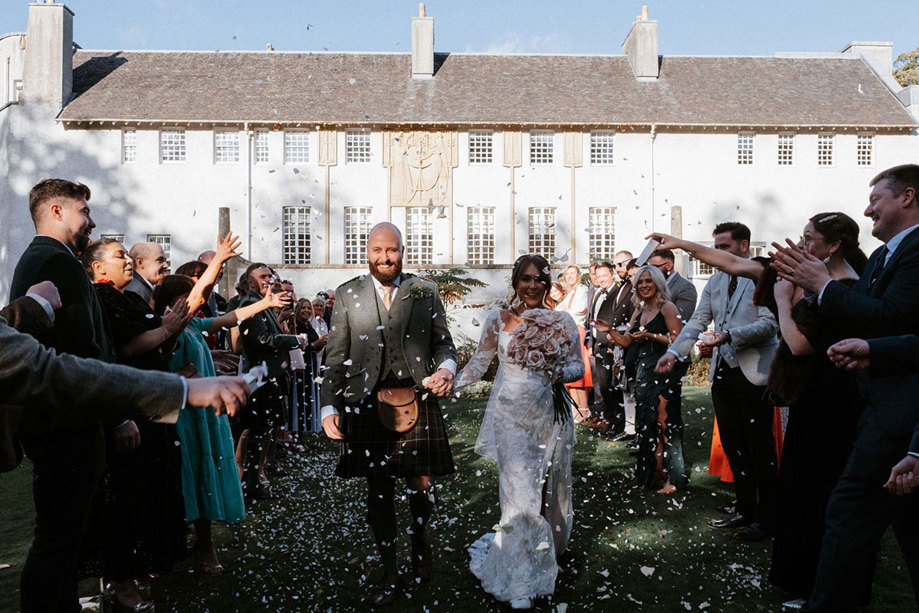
<point>419,292</point>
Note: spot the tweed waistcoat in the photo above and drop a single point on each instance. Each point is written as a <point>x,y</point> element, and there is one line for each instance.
<point>393,356</point>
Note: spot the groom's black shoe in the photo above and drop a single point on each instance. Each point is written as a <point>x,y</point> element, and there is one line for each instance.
<point>422,562</point>
<point>388,591</point>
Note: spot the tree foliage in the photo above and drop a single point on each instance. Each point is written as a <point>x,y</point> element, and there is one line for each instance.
<point>453,284</point>
<point>906,68</point>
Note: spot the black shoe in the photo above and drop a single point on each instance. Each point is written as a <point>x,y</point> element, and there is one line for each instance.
<point>734,520</point>
<point>617,436</point>
<point>755,533</point>
<point>633,444</point>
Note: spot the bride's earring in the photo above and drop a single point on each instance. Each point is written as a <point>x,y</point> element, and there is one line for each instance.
<point>827,259</point>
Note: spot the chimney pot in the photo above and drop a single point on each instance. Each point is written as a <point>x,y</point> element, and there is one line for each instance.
<point>422,45</point>
<point>421,12</point>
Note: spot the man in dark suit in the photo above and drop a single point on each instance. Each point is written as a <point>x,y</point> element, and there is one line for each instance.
<point>682,292</point>
<point>263,342</point>
<point>389,331</point>
<point>66,448</point>
<point>612,305</point>
<point>884,302</point>
<point>150,267</point>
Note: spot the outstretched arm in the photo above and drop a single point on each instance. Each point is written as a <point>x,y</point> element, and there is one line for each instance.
<point>233,318</point>
<point>727,262</point>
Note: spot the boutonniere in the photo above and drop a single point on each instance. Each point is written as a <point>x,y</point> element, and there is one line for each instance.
<point>419,292</point>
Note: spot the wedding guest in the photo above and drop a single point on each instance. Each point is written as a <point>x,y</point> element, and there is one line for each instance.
<point>406,308</point>
<point>210,483</point>
<point>682,291</point>
<point>329,305</point>
<point>242,288</point>
<point>150,266</point>
<point>654,325</point>
<point>745,341</point>
<point>307,398</point>
<point>216,304</point>
<point>574,302</point>
<point>884,302</point>
<point>65,447</point>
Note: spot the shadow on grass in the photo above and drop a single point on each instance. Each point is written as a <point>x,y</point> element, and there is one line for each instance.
<point>631,550</point>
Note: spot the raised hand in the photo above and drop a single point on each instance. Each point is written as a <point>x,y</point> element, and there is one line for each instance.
<point>801,268</point>
<point>227,247</point>
<point>667,241</point>
<point>177,316</point>
<point>276,300</point>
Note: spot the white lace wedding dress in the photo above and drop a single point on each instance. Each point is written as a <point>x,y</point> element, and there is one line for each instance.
<point>533,453</point>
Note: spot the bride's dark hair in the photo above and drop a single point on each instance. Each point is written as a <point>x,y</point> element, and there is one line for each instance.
<point>523,262</point>
<point>840,227</point>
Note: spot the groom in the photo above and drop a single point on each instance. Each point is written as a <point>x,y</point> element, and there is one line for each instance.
<point>389,331</point>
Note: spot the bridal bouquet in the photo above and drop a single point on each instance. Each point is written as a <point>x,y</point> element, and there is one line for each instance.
<point>538,345</point>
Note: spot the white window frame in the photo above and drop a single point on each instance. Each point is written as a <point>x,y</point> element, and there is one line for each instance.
<point>826,144</point>
<point>226,146</point>
<point>419,236</point>
<point>602,147</point>
<point>296,152</point>
<point>262,151</point>
<point>296,243</point>
<point>542,148</point>
<point>358,221</point>
<point>864,150</point>
<point>357,147</point>
<point>480,226</point>
<point>785,153</point>
<point>541,235</point>
<point>128,146</point>
<point>173,146</point>
<point>164,241</point>
<point>481,147</point>
<point>117,237</point>
<point>601,245</point>
<point>745,145</point>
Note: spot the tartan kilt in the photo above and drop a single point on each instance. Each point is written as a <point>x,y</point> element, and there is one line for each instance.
<point>369,449</point>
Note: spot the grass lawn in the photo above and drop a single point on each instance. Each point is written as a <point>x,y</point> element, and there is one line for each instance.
<point>632,550</point>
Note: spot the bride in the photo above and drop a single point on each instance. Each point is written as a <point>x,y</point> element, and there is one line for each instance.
<point>528,432</point>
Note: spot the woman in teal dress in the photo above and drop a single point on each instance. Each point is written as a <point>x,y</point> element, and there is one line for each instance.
<point>658,419</point>
<point>210,480</point>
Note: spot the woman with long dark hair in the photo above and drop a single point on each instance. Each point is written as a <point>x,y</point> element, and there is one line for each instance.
<point>527,430</point>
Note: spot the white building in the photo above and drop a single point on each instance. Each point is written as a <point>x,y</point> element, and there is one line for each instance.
<point>477,157</point>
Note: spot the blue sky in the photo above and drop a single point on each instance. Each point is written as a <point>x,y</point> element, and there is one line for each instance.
<point>687,27</point>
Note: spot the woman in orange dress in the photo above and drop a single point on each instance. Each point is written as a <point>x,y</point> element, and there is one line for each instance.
<point>573,300</point>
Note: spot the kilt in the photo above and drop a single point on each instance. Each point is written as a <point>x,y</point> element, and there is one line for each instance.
<point>369,449</point>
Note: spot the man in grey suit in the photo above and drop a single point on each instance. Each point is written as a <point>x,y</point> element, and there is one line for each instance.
<point>389,330</point>
<point>682,292</point>
<point>744,342</point>
<point>150,266</point>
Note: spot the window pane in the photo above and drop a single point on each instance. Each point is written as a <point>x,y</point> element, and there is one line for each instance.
<point>541,147</point>
<point>226,147</point>
<point>601,148</point>
<point>744,149</point>
<point>128,146</point>
<point>357,147</point>
<point>542,232</point>
<point>786,149</point>
<point>602,233</point>
<point>164,241</point>
<point>481,228</point>
<point>865,149</point>
<point>172,146</point>
<point>296,236</point>
<point>261,146</point>
<point>480,147</point>
<point>825,149</point>
<point>296,147</point>
<point>419,242</point>
<point>357,227</point>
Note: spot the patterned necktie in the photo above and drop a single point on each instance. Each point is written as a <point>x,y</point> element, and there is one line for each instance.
<point>387,296</point>
<point>879,267</point>
<point>732,286</point>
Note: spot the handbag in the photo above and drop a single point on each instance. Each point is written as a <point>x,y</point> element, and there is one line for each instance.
<point>397,408</point>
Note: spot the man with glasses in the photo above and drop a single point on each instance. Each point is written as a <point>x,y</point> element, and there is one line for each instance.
<point>682,292</point>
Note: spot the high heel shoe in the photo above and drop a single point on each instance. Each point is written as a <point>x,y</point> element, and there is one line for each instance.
<point>112,604</point>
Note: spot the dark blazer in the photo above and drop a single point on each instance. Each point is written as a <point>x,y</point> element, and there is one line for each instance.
<point>683,294</point>
<point>616,310</point>
<point>896,355</point>
<point>888,307</point>
<point>79,327</point>
<point>264,340</point>
<point>141,288</point>
<point>354,357</point>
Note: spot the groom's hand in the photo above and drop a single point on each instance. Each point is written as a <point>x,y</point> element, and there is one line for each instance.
<point>330,426</point>
<point>441,382</point>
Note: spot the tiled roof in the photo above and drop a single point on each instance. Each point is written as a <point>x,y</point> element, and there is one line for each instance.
<point>468,90</point>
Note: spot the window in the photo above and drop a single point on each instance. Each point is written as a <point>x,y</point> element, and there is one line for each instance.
<point>480,147</point>
<point>541,145</point>
<point>261,146</point>
<point>744,149</point>
<point>865,149</point>
<point>419,240</point>
<point>114,237</point>
<point>226,147</point>
<point>128,146</point>
<point>602,236</point>
<point>786,149</point>
<point>296,147</point>
<point>601,148</point>
<point>164,241</point>
<point>757,249</point>
<point>542,232</point>
<point>825,149</point>
<point>357,147</point>
<point>172,146</point>
<point>296,236</point>
<point>357,227</point>
<point>480,223</point>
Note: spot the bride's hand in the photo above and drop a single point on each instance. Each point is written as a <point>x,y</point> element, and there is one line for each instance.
<point>441,382</point>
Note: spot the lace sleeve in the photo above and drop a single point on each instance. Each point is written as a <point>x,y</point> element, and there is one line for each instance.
<point>484,354</point>
<point>572,364</point>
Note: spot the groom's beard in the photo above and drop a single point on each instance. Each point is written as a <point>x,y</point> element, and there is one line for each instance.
<point>388,277</point>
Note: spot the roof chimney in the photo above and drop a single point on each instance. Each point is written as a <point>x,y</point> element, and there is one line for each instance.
<point>878,54</point>
<point>47,75</point>
<point>422,45</point>
<point>641,48</point>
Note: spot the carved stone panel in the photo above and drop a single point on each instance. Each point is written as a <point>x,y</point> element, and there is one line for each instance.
<point>328,148</point>
<point>513,150</point>
<point>420,167</point>
<point>574,150</point>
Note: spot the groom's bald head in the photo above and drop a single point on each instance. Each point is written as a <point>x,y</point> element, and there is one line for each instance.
<point>384,252</point>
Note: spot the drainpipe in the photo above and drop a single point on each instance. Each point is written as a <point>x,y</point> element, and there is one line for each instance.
<point>250,137</point>
<point>653,213</point>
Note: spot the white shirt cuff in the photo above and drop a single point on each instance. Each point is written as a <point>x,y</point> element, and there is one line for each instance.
<point>670,350</point>
<point>326,411</point>
<point>44,304</point>
<point>449,364</point>
<point>184,393</point>
<point>915,454</point>
<point>822,289</point>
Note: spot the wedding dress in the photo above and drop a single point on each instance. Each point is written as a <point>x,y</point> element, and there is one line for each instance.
<point>533,453</point>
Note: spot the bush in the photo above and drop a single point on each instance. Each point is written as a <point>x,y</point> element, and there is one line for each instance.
<point>465,352</point>
<point>697,373</point>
